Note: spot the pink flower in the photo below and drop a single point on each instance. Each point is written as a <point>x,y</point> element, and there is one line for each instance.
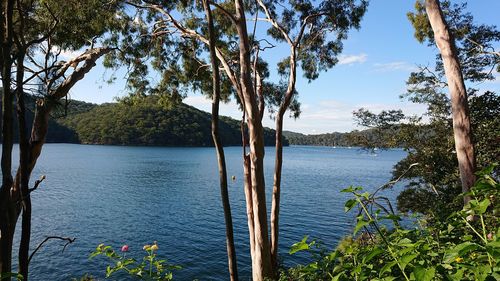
<point>490,236</point>
<point>125,248</point>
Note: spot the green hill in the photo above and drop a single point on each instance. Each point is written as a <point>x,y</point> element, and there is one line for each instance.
<point>147,123</point>
<point>365,138</point>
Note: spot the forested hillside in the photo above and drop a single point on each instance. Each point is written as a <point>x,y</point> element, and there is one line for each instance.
<point>365,138</point>
<point>148,123</point>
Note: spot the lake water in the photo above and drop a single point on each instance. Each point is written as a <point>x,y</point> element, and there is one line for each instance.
<point>136,195</point>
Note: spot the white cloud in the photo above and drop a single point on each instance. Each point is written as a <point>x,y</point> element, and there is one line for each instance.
<point>66,54</point>
<point>333,116</point>
<point>352,59</point>
<point>394,66</point>
<point>230,109</point>
<point>324,116</point>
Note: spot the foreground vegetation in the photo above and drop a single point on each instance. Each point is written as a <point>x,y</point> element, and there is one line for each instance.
<point>464,246</point>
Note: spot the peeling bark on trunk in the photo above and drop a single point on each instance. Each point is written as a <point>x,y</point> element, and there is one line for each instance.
<point>459,106</point>
<point>261,255</point>
<point>221,160</point>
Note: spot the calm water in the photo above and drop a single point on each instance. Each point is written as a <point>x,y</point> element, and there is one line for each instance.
<point>134,195</point>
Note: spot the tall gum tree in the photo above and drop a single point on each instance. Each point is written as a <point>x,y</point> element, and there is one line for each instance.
<point>237,65</point>
<point>221,161</point>
<point>314,33</point>
<point>445,25</point>
<point>35,34</point>
<point>431,190</point>
<point>459,105</point>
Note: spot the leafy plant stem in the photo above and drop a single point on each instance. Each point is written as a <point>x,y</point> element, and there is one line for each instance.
<point>474,230</point>
<point>151,263</point>
<point>383,238</point>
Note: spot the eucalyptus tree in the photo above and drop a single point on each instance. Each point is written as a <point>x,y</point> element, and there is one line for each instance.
<point>434,184</point>
<point>177,49</point>
<point>34,34</point>
<point>221,160</point>
<point>233,50</point>
<point>314,33</point>
<point>434,25</point>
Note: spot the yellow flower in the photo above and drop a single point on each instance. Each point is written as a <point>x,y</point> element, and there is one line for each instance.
<point>154,247</point>
<point>459,259</point>
<point>146,247</point>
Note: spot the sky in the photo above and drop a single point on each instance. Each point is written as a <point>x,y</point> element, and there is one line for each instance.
<point>371,73</point>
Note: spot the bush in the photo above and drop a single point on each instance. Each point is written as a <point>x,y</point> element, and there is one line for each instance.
<point>466,246</point>
<point>149,268</point>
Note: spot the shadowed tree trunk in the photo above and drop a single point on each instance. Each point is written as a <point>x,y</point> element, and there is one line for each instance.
<point>22,176</point>
<point>459,106</point>
<point>15,197</point>
<point>221,160</point>
<point>7,198</point>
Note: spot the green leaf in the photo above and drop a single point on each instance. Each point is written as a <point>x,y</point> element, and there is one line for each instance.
<point>337,277</point>
<point>386,267</point>
<point>349,189</point>
<point>457,276</point>
<point>301,246</point>
<point>423,274</point>
<point>406,259</point>
<point>349,204</point>
<point>482,206</point>
<point>405,241</point>
<point>361,223</point>
<point>459,251</point>
<point>366,195</point>
<point>493,248</point>
<point>373,253</point>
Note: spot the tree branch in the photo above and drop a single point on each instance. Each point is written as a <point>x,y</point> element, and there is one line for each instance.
<point>68,239</point>
<point>37,183</point>
<point>224,11</point>
<point>274,22</point>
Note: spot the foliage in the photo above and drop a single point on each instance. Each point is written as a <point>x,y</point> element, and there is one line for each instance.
<point>9,275</point>
<point>459,248</point>
<point>433,185</point>
<point>369,138</point>
<point>149,268</point>
<point>146,121</point>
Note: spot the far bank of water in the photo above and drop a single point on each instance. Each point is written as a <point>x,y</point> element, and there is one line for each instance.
<point>136,195</point>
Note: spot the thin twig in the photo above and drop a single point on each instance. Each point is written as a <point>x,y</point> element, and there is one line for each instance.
<point>68,239</point>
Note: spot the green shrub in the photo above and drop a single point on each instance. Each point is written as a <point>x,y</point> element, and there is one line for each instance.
<point>466,246</point>
<point>149,268</point>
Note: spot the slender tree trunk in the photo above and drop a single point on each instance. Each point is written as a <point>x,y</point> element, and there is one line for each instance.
<point>10,192</point>
<point>23,174</point>
<point>261,255</point>
<point>221,160</point>
<point>459,106</point>
<point>275,204</point>
<point>7,196</point>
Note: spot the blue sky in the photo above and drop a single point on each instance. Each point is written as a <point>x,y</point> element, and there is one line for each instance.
<point>371,73</point>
